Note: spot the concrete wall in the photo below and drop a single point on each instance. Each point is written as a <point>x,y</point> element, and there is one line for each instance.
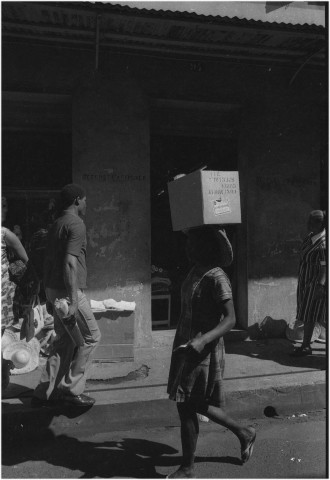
<point>278,139</point>
<point>281,157</point>
<point>111,160</point>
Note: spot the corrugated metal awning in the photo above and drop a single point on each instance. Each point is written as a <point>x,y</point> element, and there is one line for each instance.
<point>173,34</point>
<point>294,13</point>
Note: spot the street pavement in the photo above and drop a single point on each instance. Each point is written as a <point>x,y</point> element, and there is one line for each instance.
<point>288,446</point>
<point>258,374</point>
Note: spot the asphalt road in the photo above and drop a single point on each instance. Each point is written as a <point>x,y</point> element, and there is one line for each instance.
<point>288,447</point>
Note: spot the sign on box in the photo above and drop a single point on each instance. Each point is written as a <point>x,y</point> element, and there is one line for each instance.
<point>205,198</point>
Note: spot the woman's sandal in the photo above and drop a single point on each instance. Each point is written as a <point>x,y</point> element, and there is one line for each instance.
<point>301,352</point>
<point>246,454</point>
<point>179,474</point>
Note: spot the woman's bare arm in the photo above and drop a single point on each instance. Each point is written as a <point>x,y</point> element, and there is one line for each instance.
<point>228,322</point>
<point>14,243</point>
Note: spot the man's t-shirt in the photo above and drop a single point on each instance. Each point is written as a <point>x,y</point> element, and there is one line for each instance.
<point>66,236</point>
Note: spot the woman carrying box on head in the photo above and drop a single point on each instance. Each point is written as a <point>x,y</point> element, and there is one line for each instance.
<point>197,364</point>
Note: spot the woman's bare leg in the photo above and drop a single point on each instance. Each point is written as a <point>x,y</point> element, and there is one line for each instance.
<point>308,333</point>
<point>189,437</point>
<point>219,416</point>
<point>190,431</point>
<point>305,348</point>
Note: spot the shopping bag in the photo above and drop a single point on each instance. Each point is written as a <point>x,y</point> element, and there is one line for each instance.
<point>33,319</point>
<point>62,307</point>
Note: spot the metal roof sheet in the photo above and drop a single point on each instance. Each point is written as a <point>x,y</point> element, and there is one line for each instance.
<point>291,13</point>
<point>123,28</point>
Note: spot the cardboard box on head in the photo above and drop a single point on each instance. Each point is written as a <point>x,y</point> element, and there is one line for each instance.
<point>205,197</point>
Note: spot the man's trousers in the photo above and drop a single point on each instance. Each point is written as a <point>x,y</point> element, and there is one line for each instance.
<point>67,365</point>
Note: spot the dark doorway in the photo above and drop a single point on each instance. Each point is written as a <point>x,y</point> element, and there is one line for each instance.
<point>172,155</point>
<point>36,157</point>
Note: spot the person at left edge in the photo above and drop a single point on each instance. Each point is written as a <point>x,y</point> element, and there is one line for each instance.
<point>65,275</point>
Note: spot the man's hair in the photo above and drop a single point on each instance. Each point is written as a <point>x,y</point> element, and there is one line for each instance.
<point>70,192</point>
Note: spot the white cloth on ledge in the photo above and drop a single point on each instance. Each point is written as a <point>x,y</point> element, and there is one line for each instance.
<point>97,306</point>
<point>111,305</point>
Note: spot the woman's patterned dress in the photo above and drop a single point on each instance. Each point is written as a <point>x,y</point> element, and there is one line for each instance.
<point>199,377</point>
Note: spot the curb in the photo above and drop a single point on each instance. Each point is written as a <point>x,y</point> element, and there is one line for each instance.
<point>20,421</point>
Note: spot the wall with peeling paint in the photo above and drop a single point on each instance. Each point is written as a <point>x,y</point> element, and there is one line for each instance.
<point>274,297</point>
<point>111,160</point>
<point>280,146</point>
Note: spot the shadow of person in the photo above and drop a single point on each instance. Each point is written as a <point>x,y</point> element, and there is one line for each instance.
<point>278,350</point>
<point>15,390</point>
<point>19,420</point>
<point>128,457</point>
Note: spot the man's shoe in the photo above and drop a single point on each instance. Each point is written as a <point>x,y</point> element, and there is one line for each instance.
<point>37,402</point>
<point>79,400</point>
<point>301,352</point>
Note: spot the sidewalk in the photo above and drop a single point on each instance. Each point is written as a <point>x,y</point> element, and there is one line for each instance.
<point>258,374</point>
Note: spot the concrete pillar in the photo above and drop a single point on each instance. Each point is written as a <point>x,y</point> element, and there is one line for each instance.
<point>280,155</point>
<point>110,135</point>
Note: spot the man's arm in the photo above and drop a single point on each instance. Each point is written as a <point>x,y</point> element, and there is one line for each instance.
<point>74,240</point>
<point>70,281</point>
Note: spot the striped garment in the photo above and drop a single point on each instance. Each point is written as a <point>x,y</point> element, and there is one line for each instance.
<point>199,377</point>
<point>312,257</point>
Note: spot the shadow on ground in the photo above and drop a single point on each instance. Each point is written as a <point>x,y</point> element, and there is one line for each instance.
<point>127,457</point>
<point>23,424</point>
<point>15,390</point>
<point>278,350</point>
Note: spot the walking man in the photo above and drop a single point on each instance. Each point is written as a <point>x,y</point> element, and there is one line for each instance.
<point>65,274</point>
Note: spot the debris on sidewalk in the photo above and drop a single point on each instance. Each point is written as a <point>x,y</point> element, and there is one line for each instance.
<point>138,374</point>
<point>271,412</point>
<point>202,418</point>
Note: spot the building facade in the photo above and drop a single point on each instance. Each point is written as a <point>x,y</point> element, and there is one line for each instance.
<point>122,98</point>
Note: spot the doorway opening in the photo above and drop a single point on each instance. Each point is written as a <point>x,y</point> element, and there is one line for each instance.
<point>172,155</point>
<point>36,158</point>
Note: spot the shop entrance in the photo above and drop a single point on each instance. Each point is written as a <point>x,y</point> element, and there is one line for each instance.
<point>172,155</point>
<point>36,158</point>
